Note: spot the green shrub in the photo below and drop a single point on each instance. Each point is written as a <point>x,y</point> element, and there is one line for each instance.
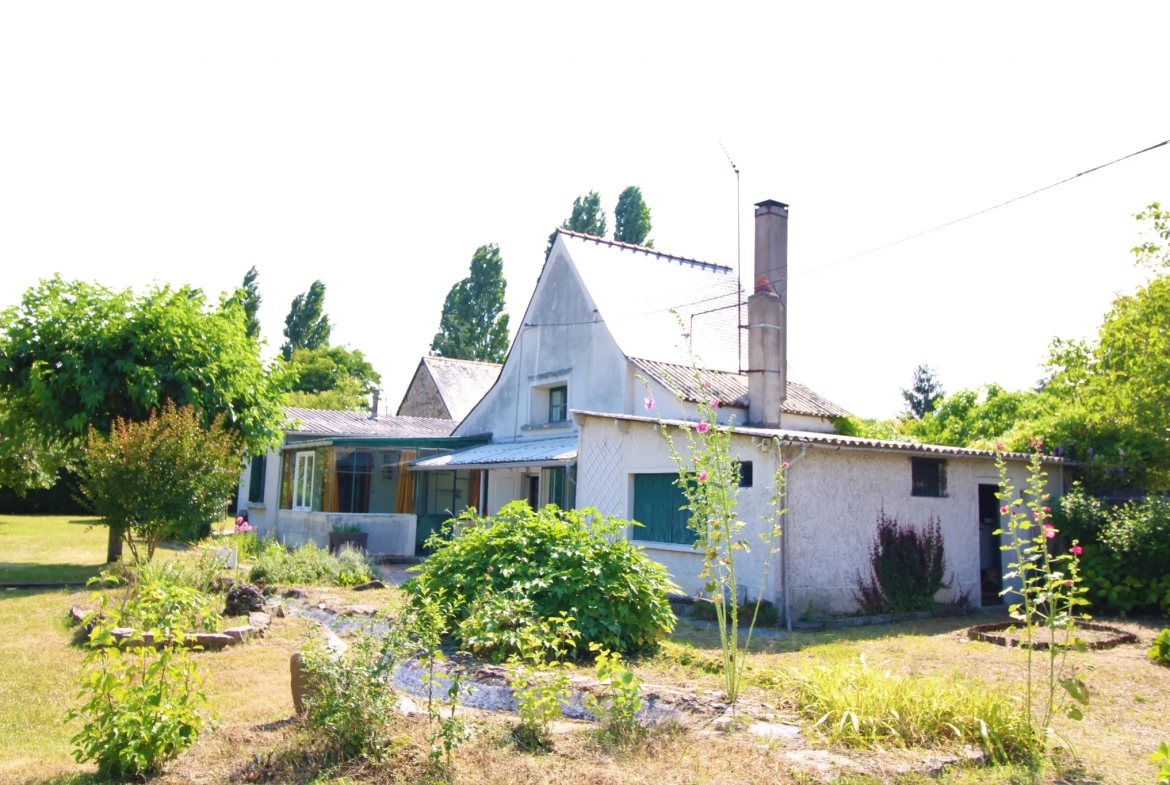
<point>142,706</point>
<point>1140,534</point>
<point>1079,516</point>
<point>309,565</point>
<point>168,607</point>
<point>348,698</point>
<point>1160,649</point>
<point>768,616</point>
<point>864,707</point>
<point>907,568</point>
<point>539,682</point>
<point>572,562</point>
<point>620,700</point>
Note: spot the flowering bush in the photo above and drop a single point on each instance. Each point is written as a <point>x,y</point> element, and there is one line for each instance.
<point>1049,590</point>
<point>719,533</point>
<point>907,566</point>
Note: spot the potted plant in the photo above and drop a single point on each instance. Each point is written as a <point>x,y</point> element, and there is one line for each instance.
<point>349,533</point>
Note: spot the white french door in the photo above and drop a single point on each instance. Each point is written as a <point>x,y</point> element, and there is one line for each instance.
<point>303,482</point>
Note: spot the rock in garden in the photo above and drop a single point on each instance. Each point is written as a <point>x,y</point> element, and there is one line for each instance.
<point>239,634</point>
<point>359,610</point>
<point>242,600</point>
<point>298,681</point>
<point>259,620</point>
<point>299,594</point>
<point>210,641</point>
<point>374,584</point>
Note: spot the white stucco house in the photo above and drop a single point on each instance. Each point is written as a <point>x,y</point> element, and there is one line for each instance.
<point>609,325</point>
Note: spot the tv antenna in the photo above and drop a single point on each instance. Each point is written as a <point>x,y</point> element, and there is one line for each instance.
<point>738,265</point>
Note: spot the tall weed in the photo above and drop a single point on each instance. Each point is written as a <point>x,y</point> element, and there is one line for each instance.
<point>867,707</point>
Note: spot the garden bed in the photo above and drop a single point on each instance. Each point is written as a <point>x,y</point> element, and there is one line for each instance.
<point>1094,636</point>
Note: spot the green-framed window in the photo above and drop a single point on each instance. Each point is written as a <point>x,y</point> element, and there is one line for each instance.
<point>558,404</point>
<point>256,479</point>
<point>659,505</point>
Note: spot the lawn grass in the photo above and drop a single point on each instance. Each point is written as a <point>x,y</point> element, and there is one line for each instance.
<point>250,695</point>
<point>51,548</point>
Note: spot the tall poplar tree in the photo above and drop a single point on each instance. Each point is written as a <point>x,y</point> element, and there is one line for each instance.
<point>587,218</point>
<point>250,300</point>
<point>631,218</point>
<point>473,325</point>
<point>306,326</point>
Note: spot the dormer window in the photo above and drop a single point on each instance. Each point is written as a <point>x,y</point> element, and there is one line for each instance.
<point>558,404</point>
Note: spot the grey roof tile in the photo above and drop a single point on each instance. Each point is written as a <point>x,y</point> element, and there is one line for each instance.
<point>731,389</point>
<point>461,383</point>
<point>328,422</point>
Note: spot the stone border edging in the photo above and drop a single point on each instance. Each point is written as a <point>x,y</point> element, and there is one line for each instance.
<point>210,641</point>
<point>982,632</point>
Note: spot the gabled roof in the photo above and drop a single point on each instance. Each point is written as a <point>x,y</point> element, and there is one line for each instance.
<point>635,289</point>
<point>788,436</point>
<point>461,383</point>
<point>731,389</point>
<point>328,422</point>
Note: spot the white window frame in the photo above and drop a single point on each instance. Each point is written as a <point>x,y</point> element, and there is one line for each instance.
<point>303,481</point>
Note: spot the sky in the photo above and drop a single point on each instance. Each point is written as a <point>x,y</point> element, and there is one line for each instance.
<point>374,146</point>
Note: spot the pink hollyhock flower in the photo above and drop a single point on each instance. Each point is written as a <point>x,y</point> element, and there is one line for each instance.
<point>705,385</point>
<point>999,447</point>
<point>714,403</point>
<point>1048,509</point>
<point>702,427</point>
<point>686,336</point>
<point>649,403</point>
<point>1077,550</point>
<point>239,520</point>
<point>703,476</point>
<point>1068,583</point>
<point>784,465</point>
<point>1049,531</point>
<point>1003,510</point>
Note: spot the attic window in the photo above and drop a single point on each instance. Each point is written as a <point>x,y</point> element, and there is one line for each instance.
<point>928,477</point>
<point>558,409</point>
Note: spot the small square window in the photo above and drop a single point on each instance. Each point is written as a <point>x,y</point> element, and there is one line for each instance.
<point>558,399</point>
<point>928,477</point>
<point>745,474</point>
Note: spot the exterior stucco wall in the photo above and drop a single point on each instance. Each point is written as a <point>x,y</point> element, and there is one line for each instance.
<point>834,498</point>
<point>834,501</point>
<point>262,515</point>
<point>612,451</point>
<point>422,397</point>
<point>389,535</point>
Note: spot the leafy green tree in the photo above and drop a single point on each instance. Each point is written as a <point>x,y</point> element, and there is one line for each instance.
<point>27,460</point>
<point>79,355</point>
<point>925,392</point>
<point>587,218</point>
<point>165,478</point>
<point>250,300</point>
<point>473,325</point>
<point>331,378</point>
<point>306,326</point>
<point>631,218</point>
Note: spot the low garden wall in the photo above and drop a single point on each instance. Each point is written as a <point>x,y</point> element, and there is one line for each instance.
<point>389,534</point>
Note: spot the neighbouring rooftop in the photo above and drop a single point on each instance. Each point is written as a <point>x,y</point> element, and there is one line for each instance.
<point>327,422</point>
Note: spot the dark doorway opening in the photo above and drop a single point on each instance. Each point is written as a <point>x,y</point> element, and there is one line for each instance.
<point>990,556</point>
<point>534,491</point>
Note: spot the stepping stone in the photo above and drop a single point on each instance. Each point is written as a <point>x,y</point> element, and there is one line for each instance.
<point>259,620</point>
<point>240,634</point>
<point>374,584</point>
<point>210,641</point>
<point>359,610</point>
<point>774,730</point>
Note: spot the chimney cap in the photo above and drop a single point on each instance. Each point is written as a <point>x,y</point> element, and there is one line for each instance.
<point>771,203</point>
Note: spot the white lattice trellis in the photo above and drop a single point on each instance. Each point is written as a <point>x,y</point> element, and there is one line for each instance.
<point>600,477</point>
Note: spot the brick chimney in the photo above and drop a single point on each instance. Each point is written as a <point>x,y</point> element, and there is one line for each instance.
<point>768,317</point>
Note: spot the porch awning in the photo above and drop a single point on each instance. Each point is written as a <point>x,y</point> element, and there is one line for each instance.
<point>558,451</point>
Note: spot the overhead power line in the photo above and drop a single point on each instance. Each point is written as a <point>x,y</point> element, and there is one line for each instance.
<point>948,223</point>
